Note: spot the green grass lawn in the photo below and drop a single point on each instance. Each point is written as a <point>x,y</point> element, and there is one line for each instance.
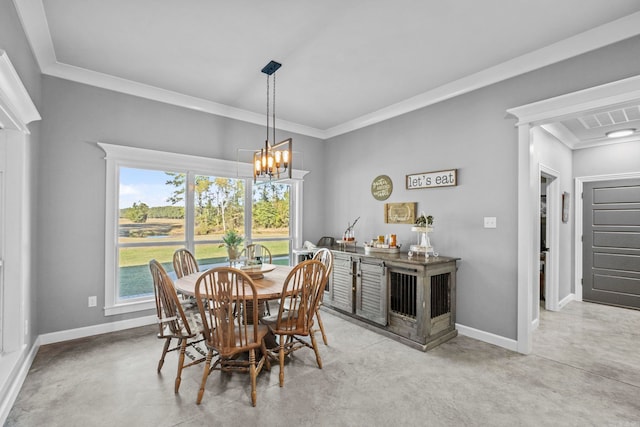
<point>135,279</point>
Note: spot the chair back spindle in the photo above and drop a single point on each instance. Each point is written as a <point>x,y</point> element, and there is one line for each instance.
<point>184,263</point>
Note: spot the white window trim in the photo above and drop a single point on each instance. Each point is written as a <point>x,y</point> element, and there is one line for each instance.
<point>122,156</point>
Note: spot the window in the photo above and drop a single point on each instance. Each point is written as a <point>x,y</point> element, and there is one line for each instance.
<point>151,225</point>
<point>160,202</point>
<point>270,219</point>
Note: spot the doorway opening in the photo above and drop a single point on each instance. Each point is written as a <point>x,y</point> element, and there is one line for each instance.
<point>543,238</point>
<point>545,293</point>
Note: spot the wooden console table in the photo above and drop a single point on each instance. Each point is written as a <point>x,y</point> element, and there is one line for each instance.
<point>412,300</point>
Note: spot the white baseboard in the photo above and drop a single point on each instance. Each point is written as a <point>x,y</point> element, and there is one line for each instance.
<point>102,328</point>
<point>12,389</point>
<point>487,337</point>
<point>535,324</point>
<point>566,300</point>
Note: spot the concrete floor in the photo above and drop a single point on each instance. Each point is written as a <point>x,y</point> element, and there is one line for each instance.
<point>584,370</point>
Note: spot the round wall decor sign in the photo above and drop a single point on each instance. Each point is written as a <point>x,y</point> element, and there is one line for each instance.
<point>381,187</point>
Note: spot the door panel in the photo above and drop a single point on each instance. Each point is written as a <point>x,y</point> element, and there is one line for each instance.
<point>342,283</point>
<point>617,284</point>
<point>611,242</point>
<point>371,291</point>
<point>616,239</point>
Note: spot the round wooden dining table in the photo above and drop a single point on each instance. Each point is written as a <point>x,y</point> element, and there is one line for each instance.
<point>269,286</point>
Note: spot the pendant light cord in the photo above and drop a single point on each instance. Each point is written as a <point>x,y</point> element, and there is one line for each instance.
<point>274,109</point>
<point>267,108</point>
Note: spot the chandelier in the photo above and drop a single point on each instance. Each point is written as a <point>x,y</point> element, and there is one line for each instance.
<point>274,160</point>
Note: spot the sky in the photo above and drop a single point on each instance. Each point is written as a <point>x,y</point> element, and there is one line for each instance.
<point>142,185</point>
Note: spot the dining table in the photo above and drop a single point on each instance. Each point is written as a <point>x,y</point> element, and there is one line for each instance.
<point>268,280</point>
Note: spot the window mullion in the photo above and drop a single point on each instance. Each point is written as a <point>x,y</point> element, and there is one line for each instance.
<point>189,211</point>
<point>248,210</point>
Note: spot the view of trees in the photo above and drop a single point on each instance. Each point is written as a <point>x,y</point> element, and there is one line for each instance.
<point>219,204</point>
<point>138,213</point>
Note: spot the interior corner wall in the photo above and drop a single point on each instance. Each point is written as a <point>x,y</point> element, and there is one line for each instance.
<point>550,152</point>
<point>72,173</point>
<point>471,134</point>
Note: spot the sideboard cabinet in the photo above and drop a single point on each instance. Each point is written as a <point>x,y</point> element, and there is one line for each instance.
<point>408,299</point>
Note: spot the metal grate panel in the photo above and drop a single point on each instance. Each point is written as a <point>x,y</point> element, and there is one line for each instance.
<point>403,294</point>
<point>440,299</point>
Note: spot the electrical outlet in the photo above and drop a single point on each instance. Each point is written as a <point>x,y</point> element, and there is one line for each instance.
<point>490,222</point>
<point>93,301</point>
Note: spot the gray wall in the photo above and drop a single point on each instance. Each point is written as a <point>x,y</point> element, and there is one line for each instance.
<point>606,160</point>
<point>72,183</point>
<point>469,133</point>
<point>14,42</point>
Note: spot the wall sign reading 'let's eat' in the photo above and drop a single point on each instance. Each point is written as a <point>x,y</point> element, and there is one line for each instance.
<point>445,178</point>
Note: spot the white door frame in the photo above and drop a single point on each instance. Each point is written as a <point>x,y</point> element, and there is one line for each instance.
<point>552,272</point>
<point>528,116</point>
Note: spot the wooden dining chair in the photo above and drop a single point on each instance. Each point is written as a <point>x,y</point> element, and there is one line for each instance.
<point>325,256</point>
<point>301,294</point>
<point>258,250</point>
<point>174,323</point>
<point>228,305</point>
<point>184,263</point>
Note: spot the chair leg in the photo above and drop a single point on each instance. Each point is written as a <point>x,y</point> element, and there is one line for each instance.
<point>167,343</point>
<point>281,359</point>
<point>265,354</point>
<point>253,373</point>
<point>205,375</point>
<point>314,343</point>
<point>183,348</point>
<point>324,337</point>
<point>267,309</point>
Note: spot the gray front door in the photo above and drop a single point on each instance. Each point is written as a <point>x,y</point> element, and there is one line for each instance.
<point>611,242</point>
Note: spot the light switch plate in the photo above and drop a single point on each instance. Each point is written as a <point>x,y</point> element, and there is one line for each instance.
<point>490,222</point>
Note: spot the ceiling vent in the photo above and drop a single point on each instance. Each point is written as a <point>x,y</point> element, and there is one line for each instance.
<point>609,118</point>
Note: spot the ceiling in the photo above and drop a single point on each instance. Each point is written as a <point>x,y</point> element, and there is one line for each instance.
<point>346,64</point>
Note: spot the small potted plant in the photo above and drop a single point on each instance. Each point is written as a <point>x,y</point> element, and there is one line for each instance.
<point>424,221</point>
<point>232,241</point>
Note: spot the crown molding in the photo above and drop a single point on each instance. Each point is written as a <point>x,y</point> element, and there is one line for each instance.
<point>16,107</point>
<point>562,134</point>
<point>34,22</point>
